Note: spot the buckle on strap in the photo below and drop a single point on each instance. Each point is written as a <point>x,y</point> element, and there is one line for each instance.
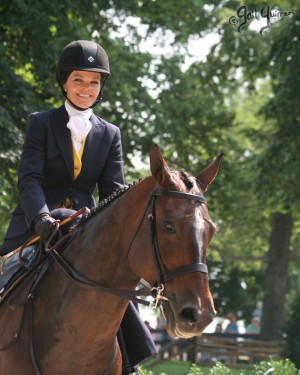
<point>158,297</point>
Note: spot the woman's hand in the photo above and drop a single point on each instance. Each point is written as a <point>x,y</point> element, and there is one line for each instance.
<point>44,226</point>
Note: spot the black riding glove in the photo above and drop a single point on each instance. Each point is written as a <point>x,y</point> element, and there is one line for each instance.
<point>44,226</point>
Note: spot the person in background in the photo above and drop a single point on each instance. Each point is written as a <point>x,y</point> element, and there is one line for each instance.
<point>254,326</point>
<point>232,326</point>
<point>68,152</point>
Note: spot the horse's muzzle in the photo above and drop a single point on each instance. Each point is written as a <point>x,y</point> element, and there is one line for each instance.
<point>189,321</point>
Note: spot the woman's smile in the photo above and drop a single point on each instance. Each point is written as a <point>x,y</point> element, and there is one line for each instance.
<point>82,88</point>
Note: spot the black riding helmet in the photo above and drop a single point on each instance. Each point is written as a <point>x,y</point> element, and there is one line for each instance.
<point>82,55</point>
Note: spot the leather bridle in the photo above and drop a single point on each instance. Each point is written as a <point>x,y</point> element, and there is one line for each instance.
<point>163,275</point>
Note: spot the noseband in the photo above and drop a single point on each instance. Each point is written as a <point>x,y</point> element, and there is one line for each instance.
<point>164,275</point>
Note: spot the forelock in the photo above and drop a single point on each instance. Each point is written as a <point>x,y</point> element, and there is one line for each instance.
<point>187,179</point>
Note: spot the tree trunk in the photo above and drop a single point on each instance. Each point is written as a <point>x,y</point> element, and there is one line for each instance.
<point>276,278</point>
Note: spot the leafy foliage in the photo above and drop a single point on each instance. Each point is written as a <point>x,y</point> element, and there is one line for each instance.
<point>283,367</point>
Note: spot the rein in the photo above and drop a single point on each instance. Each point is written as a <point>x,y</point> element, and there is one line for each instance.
<point>82,281</point>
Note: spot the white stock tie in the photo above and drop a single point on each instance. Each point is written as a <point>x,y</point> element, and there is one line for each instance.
<point>79,125</point>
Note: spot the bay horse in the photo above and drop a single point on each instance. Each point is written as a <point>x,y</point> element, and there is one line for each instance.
<point>158,231</point>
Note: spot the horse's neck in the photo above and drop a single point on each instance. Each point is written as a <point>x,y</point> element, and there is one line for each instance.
<point>101,250</point>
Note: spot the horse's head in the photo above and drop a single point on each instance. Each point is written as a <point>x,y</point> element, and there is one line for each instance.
<point>184,230</point>
<point>181,231</point>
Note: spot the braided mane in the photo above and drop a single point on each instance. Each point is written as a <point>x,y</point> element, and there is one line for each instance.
<point>106,201</point>
<point>183,175</point>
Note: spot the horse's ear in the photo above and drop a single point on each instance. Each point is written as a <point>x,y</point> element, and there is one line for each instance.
<point>209,173</point>
<point>159,168</point>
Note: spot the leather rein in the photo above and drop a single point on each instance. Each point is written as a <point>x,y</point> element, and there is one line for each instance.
<point>163,275</point>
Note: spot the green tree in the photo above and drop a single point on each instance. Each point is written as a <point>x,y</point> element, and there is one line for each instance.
<point>276,157</point>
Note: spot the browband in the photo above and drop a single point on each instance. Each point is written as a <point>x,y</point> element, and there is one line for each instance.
<point>179,194</point>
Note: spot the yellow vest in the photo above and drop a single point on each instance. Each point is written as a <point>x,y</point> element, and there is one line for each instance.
<point>77,160</point>
<point>77,169</point>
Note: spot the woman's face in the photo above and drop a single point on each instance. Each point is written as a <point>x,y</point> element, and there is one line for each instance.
<point>82,88</point>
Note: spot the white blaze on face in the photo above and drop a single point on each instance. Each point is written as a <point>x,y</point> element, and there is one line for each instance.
<point>200,226</point>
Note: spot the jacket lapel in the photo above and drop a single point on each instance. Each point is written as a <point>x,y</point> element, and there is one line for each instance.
<point>63,137</point>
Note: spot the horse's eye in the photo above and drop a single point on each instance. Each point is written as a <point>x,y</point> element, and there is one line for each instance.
<point>168,227</point>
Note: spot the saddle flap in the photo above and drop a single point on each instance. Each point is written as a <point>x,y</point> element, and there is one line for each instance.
<point>13,302</point>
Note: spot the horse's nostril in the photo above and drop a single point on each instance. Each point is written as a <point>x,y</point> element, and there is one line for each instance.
<point>190,315</point>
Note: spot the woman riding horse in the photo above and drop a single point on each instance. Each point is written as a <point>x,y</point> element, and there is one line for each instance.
<point>66,311</point>
<point>67,152</point>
